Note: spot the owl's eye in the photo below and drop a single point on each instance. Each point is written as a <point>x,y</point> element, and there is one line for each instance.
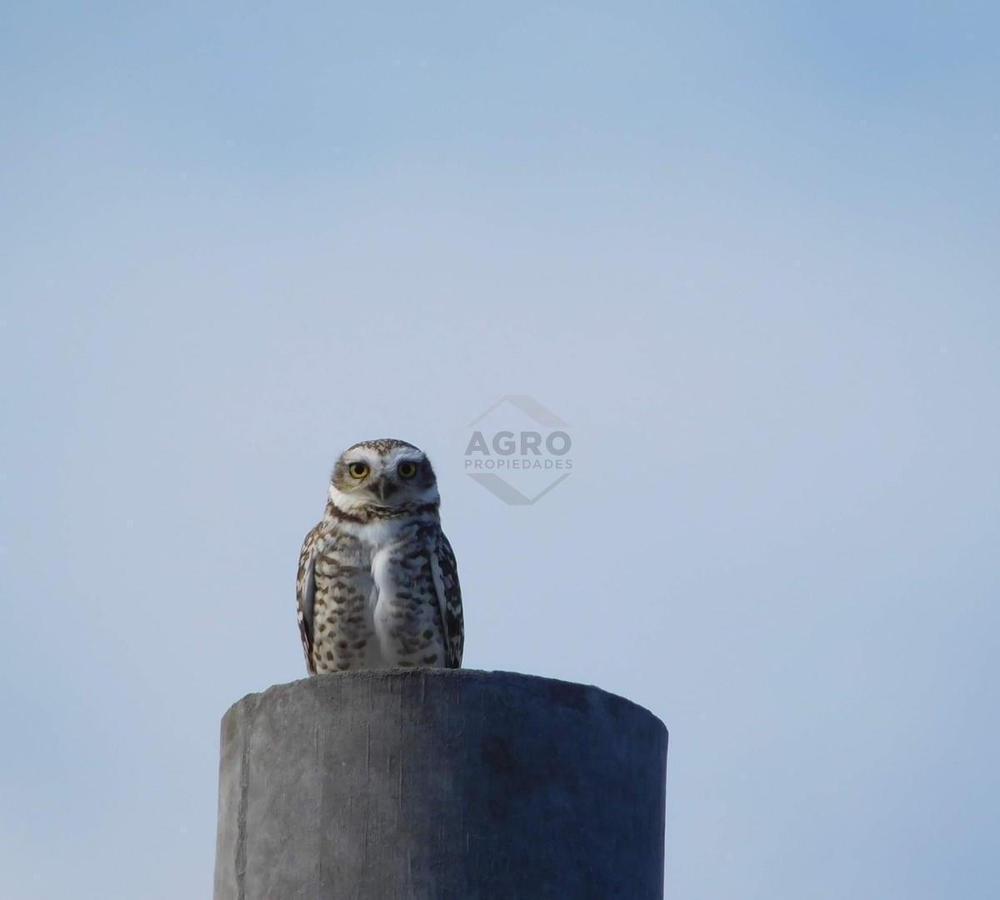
<point>358,469</point>
<point>407,469</point>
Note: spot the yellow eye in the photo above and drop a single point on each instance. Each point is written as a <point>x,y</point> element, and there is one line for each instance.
<point>358,469</point>
<point>407,469</point>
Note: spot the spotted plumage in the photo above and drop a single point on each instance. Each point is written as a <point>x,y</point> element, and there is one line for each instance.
<point>377,582</point>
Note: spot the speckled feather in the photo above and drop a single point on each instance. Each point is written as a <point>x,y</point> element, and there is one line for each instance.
<point>377,581</point>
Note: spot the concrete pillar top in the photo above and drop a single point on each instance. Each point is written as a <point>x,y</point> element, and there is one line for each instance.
<point>432,783</point>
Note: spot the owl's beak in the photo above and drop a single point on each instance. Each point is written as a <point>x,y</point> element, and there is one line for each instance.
<point>385,488</point>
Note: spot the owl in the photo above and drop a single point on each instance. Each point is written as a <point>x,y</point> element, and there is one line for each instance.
<point>377,582</point>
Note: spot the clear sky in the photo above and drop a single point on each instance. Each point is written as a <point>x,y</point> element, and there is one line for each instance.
<point>748,252</point>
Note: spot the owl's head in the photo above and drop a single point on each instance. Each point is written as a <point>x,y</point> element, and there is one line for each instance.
<point>383,475</point>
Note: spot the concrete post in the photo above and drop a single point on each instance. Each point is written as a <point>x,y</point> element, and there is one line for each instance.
<point>440,785</point>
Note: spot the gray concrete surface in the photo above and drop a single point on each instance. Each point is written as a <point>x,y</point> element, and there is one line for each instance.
<point>451,785</point>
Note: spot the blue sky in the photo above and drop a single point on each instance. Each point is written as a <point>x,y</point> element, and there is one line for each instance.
<point>747,252</point>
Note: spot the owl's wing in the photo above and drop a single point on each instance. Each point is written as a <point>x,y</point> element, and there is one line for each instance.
<point>450,601</point>
<point>305,593</point>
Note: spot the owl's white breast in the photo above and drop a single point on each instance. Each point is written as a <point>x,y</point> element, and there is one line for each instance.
<point>381,601</point>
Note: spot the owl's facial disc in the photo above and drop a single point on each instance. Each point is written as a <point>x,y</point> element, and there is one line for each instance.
<point>383,475</point>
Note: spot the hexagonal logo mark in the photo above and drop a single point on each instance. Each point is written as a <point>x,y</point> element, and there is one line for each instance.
<point>519,450</point>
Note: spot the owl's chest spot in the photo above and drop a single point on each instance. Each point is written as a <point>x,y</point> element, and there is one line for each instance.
<point>343,630</point>
<point>379,606</point>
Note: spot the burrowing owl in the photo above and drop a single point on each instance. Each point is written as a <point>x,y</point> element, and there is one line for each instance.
<point>377,584</point>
